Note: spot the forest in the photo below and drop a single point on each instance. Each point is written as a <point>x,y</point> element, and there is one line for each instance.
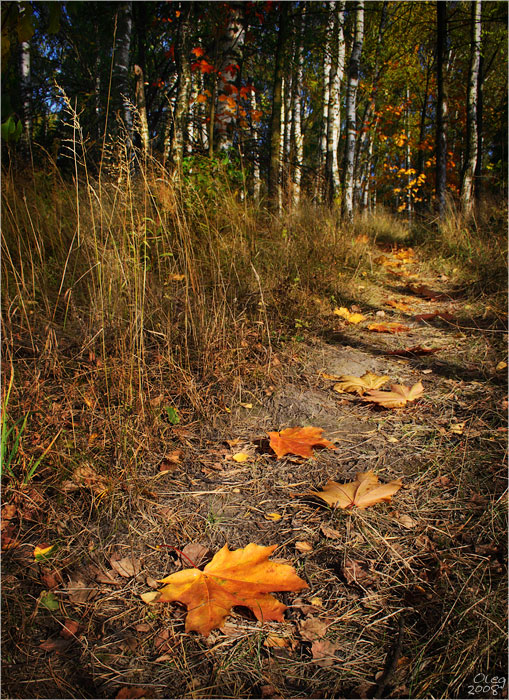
<point>254,349</point>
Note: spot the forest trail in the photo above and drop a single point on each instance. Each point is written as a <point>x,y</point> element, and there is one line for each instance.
<point>389,586</point>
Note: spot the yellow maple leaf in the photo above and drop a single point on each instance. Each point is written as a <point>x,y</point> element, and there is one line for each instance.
<point>348,315</point>
<point>363,492</point>
<point>359,385</point>
<point>397,397</point>
<point>242,577</point>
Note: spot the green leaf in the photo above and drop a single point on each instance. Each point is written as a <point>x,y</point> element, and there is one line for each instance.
<point>49,601</point>
<point>172,414</point>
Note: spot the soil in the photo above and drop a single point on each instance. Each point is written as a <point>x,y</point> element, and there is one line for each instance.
<point>447,449</point>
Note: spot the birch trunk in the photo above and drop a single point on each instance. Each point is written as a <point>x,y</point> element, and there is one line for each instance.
<point>275,119</point>
<point>141,108</point>
<point>334,111</point>
<point>467,184</point>
<point>181,111</point>
<point>297,112</point>
<point>227,105</point>
<point>351,103</point>
<point>26,90</point>
<point>256,155</point>
<point>441,108</point>
<point>121,67</point>
<point>327,66</point>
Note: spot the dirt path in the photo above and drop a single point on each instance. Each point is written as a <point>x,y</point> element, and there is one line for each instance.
<point>405,599</point>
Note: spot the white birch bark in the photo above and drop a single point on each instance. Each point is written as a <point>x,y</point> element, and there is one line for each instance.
<point>297,114</point>
<point>351,104</point>
<point>121,69</point>
<point>230,49</point>
<point>467,184</point>
<point>26,89</point>
<point>334,111</point>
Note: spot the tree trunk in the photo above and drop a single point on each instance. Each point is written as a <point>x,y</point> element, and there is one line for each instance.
<point>327,67</point>
<point>467,183</point>
<point>256,155</point>
<point>141,108</point>
<point>334,111</point>
<point>297,112</point>
<point>351,103</point>
<point>122,94</point>
<point>184,84</point>
<point>230,48</point>
<point>275,118</point>
<point>441,108</point>
<point>26,92</point>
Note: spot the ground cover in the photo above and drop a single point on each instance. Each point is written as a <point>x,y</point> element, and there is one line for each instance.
<point>405,598</point>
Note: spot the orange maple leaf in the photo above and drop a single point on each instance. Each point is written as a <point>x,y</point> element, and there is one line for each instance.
<point>363,492</point>
<point>242,577</point>
<point>388,327</point>
<point>198,51</point>
<point>400,305</point>
<point>397,397</point>
<point>298,441</point>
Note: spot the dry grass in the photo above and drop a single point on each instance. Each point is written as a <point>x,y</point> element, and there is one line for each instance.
<point>130,305</point>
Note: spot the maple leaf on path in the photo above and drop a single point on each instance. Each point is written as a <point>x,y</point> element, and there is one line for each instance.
<point>348,315</point>
<point>243,577</point>
<point>298,441</point>
<point>363,492</point>
<point>388,327</point>
<point>400,305</point>
<point>397,397</point>
<point>359,385</point>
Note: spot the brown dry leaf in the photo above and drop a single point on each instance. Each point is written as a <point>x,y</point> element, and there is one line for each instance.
<point>399,305</point>
<point>70,629</point>
<point>241,577</point>
<point>397,397</point>
<point>86,477</point>
<point>348,315</point>
<point>388,328</point>
<point>304,547</point>
<point>125,566</point>
<point>444,315</point>
<point>51,579</point>
<point>330,532</point>
<point>363,492</point>
<point>359,385</point>
<point>426,293</point>
<point>195,552</point>
<point>8,513</point>
<point>80,592</point>
<point>57,644</point>
<point>405,520</point>
<point>324,652</point>
<point>171,461</point>
<point>298,441</point>
<point>356,571</point>
<point>274,641</point>
<point>132,693</point>
<point>312,628</point>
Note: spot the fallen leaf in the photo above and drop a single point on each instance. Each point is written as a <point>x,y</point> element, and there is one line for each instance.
<point>125,566</point>
<point>457,428</point>
<point>356,571</point>
<point>8,513</point>
<point>273,516</point>
<point>171,461</point>
<point>501,366</point>
<point>273,641</point>
<point>304,547</point>
<point>70,629</point>
<point>405,520</point>
<point>363,492</point>
<point>410,352</point>
<point>312,628</point>
<point>324,652</point>
<point>132,693</point>
<point>298,441</point>
<point>399,305</point>
<point>444,315</point>
<point>241,457</point>
<point>80,592</point>
<point>397,397</point>
<point>57,644</point>
<point>195,552</point>
<point>41,551</point>
<point>330,532</point>
<point>359,385</point>
<point>388,327</point>
<point>48,600</point>
<point>240,577</point>
<point>348,316</point>
<point>86,477</point>
<point>425,292</point>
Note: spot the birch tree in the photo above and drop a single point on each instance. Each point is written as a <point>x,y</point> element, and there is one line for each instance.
<point>441,108</point>
<point>180,114</point>
<point>351,104</point>
<point>472,128</point>
<point>121,97</point>
<point>298,138</point>
<point>26,90</point>
<point>275,118</point>
<point>334,108</point>
<point>230,49</point>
